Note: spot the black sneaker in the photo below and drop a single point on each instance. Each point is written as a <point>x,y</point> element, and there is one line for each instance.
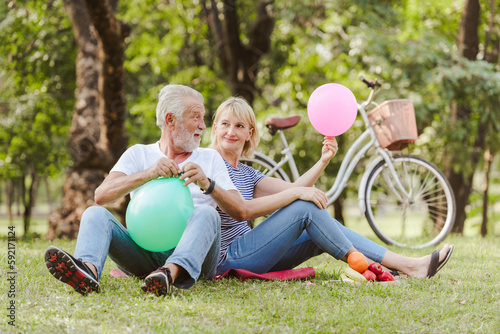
<point>71,271</point>
<point>159,282</point>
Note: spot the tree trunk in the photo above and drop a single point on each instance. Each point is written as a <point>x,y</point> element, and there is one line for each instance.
<point>29,198</point>
<point>468,40</point>
<point>490,56</point>
<point>468,43</point>
<point>97,135</point>
<point>17,194</point>
<point>9,196</point>
<point>240,63</point>
<point>488,159</point>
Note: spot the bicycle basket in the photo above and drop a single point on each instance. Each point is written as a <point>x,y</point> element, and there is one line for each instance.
<point>394,124</point>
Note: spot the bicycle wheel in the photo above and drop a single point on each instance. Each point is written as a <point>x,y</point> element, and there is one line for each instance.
<point>425,218</point>
<point>266,166</point>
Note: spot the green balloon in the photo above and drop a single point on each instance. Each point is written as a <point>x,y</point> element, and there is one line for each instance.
<point>157,214</point>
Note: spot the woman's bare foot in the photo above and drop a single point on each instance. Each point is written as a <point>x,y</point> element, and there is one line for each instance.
<point>420,267</point>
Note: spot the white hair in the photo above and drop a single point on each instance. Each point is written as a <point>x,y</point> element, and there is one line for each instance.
<point>172,99</point>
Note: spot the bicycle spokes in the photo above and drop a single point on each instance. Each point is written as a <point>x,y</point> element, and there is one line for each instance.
<point>416,217</point>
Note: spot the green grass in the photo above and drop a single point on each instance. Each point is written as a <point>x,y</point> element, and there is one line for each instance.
<point>463,298</point>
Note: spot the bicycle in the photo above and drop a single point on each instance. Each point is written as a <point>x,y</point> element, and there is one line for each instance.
<point>407,200</point>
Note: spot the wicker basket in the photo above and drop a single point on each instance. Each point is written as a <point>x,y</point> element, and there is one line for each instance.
<point>394,124</point>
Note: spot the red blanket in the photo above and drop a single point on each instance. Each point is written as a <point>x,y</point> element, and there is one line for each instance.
<point>285,275</point>
<point>242,274</point>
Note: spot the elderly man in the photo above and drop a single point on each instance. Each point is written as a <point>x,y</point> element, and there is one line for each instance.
<point>179,115</point>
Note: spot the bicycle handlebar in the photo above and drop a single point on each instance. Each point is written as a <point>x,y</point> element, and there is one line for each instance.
<point>371,84</point>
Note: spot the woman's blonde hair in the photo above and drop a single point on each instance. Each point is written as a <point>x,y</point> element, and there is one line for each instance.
<point>239,107</point>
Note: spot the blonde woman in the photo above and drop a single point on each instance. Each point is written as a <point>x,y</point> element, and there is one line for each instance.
<point>299,226</point>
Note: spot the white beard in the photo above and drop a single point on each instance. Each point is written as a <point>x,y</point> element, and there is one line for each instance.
<point>187,141</point>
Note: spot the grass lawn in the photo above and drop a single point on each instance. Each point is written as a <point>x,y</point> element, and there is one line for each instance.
<point>464,297</point>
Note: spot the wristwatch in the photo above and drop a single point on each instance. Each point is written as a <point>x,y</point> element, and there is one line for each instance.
<point>210,188</point>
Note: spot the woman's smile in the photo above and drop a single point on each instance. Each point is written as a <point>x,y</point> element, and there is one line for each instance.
<point>230,140</point>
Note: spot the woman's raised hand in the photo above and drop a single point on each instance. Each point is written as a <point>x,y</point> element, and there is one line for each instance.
<point>329,149</point>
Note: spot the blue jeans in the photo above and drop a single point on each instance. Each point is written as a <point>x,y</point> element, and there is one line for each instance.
<point>293,235</point>
<point>101,234</point>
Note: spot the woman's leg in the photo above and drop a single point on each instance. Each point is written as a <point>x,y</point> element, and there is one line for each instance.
<point>413,267</point>
<point>261,248</point>
<point>301,250</point>
<point>304,248</point>
<point>370,249</point>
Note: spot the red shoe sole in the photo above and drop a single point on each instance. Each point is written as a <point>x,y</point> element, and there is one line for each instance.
<point>62,267</point>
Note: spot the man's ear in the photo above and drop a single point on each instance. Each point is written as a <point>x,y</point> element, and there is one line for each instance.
<point>169,119</point>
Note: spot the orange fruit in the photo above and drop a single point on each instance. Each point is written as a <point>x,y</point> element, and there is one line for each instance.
<point>357,261</point>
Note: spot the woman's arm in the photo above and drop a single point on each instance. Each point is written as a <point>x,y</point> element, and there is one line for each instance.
<point>280,194</point>
<point>271,194</point>
<point>328,151</point>
<point>272,185</point>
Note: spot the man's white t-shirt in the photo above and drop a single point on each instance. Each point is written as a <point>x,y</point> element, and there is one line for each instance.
<point>140,157</point>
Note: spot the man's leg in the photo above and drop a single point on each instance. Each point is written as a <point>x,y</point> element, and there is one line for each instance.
<point>100,233</point>
<point>196,254</point>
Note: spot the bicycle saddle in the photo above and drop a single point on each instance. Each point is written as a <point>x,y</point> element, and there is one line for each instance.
<point>277,123</point>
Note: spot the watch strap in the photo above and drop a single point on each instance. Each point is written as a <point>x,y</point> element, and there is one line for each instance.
<point>210,188</point>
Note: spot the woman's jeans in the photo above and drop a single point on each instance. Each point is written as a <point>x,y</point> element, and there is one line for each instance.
<point>101,234</point>
<point>293,235</point>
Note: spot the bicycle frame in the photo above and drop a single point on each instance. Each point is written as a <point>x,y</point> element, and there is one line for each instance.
<point>287,157</point>
<point>355,153</point>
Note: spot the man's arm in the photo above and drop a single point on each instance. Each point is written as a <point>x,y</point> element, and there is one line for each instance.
<point>118,184</point>
<point>230,201</point>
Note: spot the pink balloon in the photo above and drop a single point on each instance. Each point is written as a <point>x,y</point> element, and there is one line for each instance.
<point>332,109</point>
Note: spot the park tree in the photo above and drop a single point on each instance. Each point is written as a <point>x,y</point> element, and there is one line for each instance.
<point>473,107</point>
<point>170,42</point>
<point>97,135</point>
<point>240,49</point>
<point>36,94</point>
<point>492,55</point>
<point>461,181</point>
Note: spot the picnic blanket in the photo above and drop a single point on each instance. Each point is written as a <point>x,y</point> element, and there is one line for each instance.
<point>242,274</point>
<point>284,275</point>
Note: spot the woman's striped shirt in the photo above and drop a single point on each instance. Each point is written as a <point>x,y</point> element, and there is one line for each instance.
<point>245,178</point>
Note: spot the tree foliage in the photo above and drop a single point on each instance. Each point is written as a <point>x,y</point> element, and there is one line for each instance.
<point>409,46</point>
<point>37,81</point>
<point>37,88</point>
